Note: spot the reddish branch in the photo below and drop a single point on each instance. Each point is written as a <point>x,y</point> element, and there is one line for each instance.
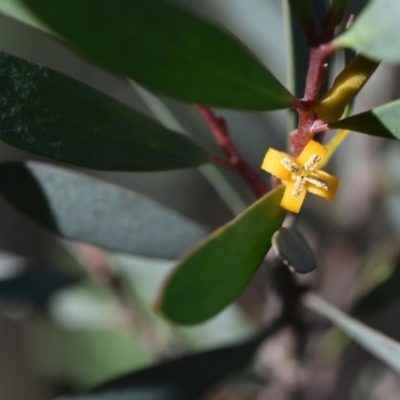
<point>321,46</point>
<point>309,124</point>
<point>220,132</point>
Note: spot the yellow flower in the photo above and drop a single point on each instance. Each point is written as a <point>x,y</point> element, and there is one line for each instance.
<point>301,175</point>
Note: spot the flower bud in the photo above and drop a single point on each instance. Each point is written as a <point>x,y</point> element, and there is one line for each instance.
<point>346,86</point>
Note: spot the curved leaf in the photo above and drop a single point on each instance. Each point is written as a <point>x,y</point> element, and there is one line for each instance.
<point>51,115</point>
<point>167,49</point>
<point>77,207</point>
<point>382,121</point>
<point>182,379</point>
<point>376,32</point>
<point>214,274</point>
<point>294,251</point>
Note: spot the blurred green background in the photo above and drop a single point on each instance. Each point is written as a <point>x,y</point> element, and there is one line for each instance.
<point>81,335</point>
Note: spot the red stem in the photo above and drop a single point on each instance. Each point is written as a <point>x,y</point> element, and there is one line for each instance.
<point>220,132</point>
<point>309,124</point>
<point>320,49</point>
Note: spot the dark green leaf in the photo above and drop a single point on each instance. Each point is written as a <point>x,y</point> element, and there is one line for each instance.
<point>34,284</point>
<point>382,121</point>
<point>213,275</point>
<point>186,378</point>
<point>51,115</point>
<point>339,7</point>
<point>376,32</point>
<point>167,49</point>
<point>294,251</point>
<point>77,207</point>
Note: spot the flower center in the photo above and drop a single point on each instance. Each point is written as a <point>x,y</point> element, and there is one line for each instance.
<point>305,174</point>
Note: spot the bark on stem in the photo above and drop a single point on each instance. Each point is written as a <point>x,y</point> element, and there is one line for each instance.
<point>308,122</point>
<point>220,132</point>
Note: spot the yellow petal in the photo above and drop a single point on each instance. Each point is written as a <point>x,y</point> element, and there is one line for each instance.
<point>290,202</point>
<point>312,148</point>
<point>272,164</point>
<point>332,182</point>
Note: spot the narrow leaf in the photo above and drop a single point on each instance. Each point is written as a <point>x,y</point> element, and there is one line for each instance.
<point>182,379</point>
<point>51,115</point>
<point>214,274</point>
<point>382,121</point>
<point>18,10</point>
<point>376,32</point>
<point>77,207</point>
<point>382,347</point>
<point>167,49</point>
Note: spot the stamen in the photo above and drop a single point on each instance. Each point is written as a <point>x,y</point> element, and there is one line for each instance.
<point>290,165</point>
<point>312,162</point>
<point>317,181</point>
<point>299,186</point>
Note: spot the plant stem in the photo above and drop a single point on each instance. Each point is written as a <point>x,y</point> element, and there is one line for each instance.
<point>220,132</point>
<point>94,260</point>
<point>309,124</point>
<point>213,175</point>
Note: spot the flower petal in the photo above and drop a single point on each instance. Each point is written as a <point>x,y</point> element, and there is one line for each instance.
<point>332,182</point>
<point>290,202</point>
<point>312,148</point>
<point>272,164</point>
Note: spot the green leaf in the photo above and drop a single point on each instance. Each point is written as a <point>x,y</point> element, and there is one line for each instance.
<point>167,49</point>
<point>213,275</point>
<point>182,379</point>
<point>77,207</point>
<point>294,251</point>
<point>376,32</point>
<point>382,121</point>
<point>51,115</point>
<point>382,347</point>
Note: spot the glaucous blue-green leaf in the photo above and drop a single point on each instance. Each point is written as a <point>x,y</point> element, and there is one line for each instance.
<point>376,31</point>
<point>215,273</point>
<point>81,208</point>
<point>181,379</point>
<point>18,10</point>
<point>382,121</point>
<point>165,48</point>
<point>51,115</point>
<point>294,251</point>
<point>381,346</point>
